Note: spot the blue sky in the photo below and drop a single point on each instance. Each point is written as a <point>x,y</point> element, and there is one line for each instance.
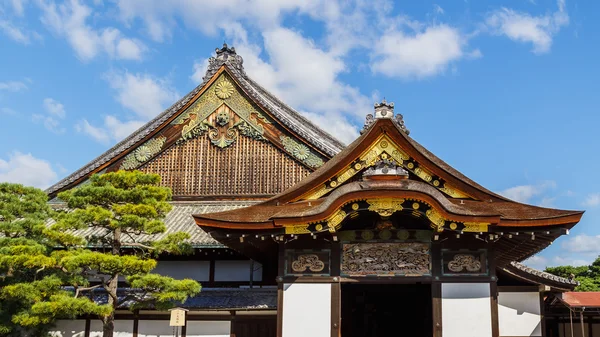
<point>505,92</point>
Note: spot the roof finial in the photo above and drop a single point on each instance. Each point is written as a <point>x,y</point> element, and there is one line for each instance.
<point>225,55</point>
<point>385,110</point>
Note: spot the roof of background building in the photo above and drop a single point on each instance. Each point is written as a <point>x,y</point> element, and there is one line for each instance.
<point>588,299</point>
<point>179,219</point>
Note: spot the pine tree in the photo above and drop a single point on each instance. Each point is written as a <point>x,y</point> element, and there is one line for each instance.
<point>29,271</point>
<point>122,207</point>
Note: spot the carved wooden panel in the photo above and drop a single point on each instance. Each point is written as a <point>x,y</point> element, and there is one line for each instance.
<point>307,262</point>
<point>386,259</point>
<point>246,168</point>
<point>464,262</point>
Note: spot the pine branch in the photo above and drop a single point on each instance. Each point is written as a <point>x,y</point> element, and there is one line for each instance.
<point>79,289</point>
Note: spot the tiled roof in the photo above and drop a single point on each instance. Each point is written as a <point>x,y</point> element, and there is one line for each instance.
<point>180,220</point>
<point>214,299</point>
<point>540,277</point>
<point>588,299</point>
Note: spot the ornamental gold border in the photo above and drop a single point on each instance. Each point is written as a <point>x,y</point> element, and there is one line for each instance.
<point>383,148</point>
<point>386,207</point>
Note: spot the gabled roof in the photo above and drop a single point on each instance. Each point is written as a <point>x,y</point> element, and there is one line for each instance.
<point>228,61</point>
<point>338,182</point>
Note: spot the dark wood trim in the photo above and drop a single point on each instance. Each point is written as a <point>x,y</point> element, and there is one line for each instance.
<point>494,309</point>
<point>309,279</point>
<point>336,309</point>
<point>280,309</point>
<point>518,289</point>
<point>232,325</point>
<point>436,306</point>
<point>136,323</point>
<point>184,327</point>
<point>88,328</point>
<point>335,258</point>
<point>211,272</point>
<point>543,315</point>
<point>387,280</point>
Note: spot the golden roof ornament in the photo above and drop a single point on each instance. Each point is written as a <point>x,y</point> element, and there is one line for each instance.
<point>385,110</point>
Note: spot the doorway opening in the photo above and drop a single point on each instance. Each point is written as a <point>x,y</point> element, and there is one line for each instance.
<point>378,310</point>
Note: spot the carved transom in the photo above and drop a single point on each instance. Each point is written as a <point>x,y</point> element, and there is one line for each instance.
<point>308,261</point>
<point>466,262</point>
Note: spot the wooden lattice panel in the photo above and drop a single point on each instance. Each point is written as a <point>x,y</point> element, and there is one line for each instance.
<point>248,168</point>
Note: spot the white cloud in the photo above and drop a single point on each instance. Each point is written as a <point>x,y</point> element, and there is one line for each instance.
<point>199,69</point>
<point>27,170</point>
<point>536,262</point>
<point>524,193</point>
<point>523,27</point>
<point>423,54</point>
<point>18,6</point>
<point>438,9</point>
<point>99,134</point>
<point>569,261</point>
<point>69,20</point>
<point>541,263</point>
<point>55,111</point>
<point>143,94</point>
<point>583,243</point>
<point>112,130</point>
<point>307,78</point>
<point>54,107</point>
<point>7,111</point>
<point>592,200</point>
<point>14,33</point>
<point>13,86</point>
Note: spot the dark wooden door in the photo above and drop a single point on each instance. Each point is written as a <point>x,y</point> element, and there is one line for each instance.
<point>255,326</point>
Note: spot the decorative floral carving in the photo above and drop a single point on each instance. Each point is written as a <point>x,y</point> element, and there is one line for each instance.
<point>385,259</point>
<point>143,153</point>
<point>200,119</point>
<point>464,261</point>
<point>301,152</point>
<point>385,207</point>
<point>224,89</point>
<point>308,261</point>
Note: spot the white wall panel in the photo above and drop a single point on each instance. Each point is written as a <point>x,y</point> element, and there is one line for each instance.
<point>519,314</point>
<point>69,328</point>
<point>123,328</point>
<point>307,310</point>
<point>208,329</point>
<point>236,270</point>
<point>155,329</point>
<point>466,310</point>
<point>179,270</point>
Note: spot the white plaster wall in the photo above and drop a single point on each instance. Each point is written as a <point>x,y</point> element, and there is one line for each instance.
<point>307,310</point>
<point>519,314</point>
<point>123,328</point>
<point>69,328</point>
<point>155,329</point>
<point>208,329</point>
<point>466,310</point>
<point>236,270</point>
<point>179,270</point>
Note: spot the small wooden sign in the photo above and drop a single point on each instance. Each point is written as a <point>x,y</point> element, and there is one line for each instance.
<point>177,317</point>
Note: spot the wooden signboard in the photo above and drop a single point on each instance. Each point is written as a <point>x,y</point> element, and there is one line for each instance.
<point>177,317</point>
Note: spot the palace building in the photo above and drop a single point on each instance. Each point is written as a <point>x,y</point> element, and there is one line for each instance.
<point>296,234</point>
